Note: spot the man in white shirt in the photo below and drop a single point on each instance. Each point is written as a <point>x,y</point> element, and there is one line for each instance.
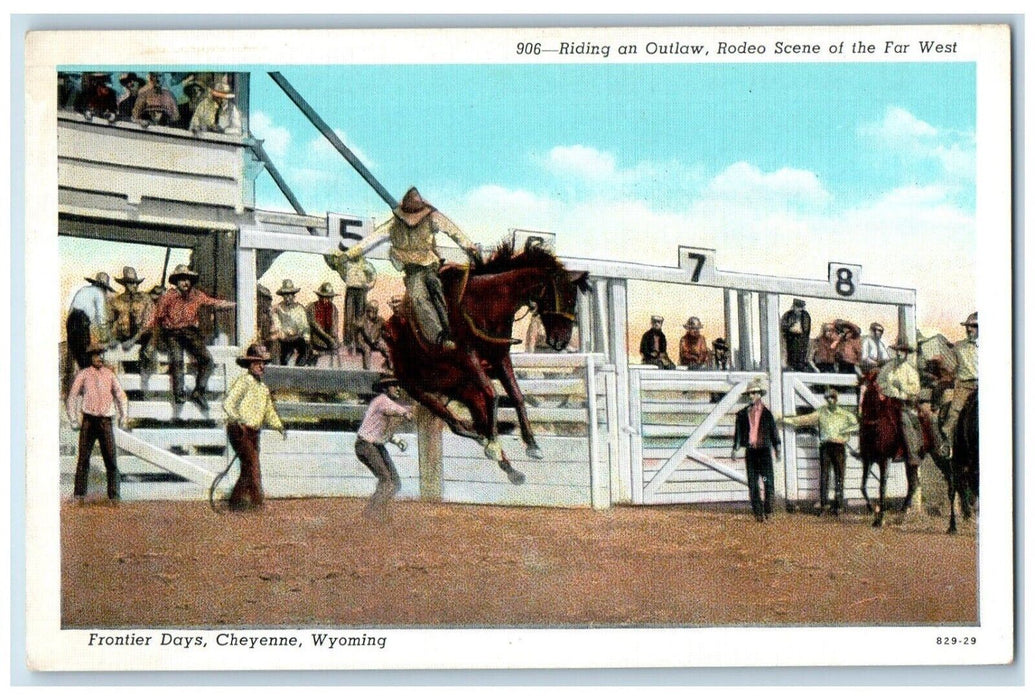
<point>874,350</point>
<point>966,382</point>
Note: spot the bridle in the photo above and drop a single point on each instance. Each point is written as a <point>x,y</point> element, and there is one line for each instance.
<point>558,306</point>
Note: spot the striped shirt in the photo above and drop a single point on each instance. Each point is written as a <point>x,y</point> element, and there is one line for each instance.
<point>382,418</point>
<point>101,394</point>
<point>249,403</point>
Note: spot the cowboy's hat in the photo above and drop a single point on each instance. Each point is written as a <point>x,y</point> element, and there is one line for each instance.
<point>693,323</point>
<point>95,348</point>
<point>657,319</point>
<point>755,385</point>
<point>876,327</point>
<point>288,287</point>
<point>254,353</point>
<point>101,279</point>
<point>413,208</point>
<point>971,320</point>
<point>126,78</point>
<point>385,381</point>
<point>798,302</point>
<point>129,276</point>
<point>831,391</point>
<point>182,272</point>
<point>221,89</point>
<point>720,344</point>
<point>192,88</point>
<point>326,290</point>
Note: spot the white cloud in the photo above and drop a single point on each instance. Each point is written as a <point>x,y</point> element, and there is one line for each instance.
<point>917,144</point>
<point>582,161</point>
<point>276,139</point>
<point>747,185</point>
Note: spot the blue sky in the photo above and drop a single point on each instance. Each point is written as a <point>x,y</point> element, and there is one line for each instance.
<point>780,167</point>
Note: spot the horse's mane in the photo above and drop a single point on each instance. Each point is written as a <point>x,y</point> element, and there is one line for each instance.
<point>504,259</point>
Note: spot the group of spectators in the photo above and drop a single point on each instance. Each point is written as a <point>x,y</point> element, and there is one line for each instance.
<point>694,351</point>
<point>300,335</point>
<point>199,102</point>
<point>840,346</point>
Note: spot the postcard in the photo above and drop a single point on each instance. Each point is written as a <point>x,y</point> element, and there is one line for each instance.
<point>519,348</point>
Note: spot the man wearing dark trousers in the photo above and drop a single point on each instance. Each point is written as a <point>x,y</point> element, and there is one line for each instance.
<point>755,431</point>
<point>176,318</point>
<point>102,397</point>
<point>378,427</point>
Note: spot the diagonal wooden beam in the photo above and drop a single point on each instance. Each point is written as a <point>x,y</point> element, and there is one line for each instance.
<point>695,437</point>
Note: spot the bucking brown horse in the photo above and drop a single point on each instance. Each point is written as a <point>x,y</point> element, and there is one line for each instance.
<point>482,301</point>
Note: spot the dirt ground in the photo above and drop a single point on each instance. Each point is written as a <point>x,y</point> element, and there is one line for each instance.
<point>319,563</point>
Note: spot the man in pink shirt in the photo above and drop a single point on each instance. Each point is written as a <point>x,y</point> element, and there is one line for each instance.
<point>383,416</point>
<point>755,431</point>
<point>92,401</point>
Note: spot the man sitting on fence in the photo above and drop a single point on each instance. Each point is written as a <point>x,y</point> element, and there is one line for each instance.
<point>654,345</point>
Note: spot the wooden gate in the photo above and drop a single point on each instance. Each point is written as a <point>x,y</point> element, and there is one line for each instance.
<point>681,445</point>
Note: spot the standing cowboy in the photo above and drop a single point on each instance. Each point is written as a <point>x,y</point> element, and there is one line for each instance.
<point>966,383</point>
<point>88,318</point>
<point>176,320</point>
<point>101,397</point>
<point>796,325</point>
<point>131,309</point>
<point>359,277</point>
<point>836,426</point>
<point>411,231</point>
<point>654,345</point>
<point>383,416</point>
<point>291,325</point>
<point>898,380</point>
<point>755,431</point>
<point>249,406</point>
<point>323,322</point>
<point>693,348</point>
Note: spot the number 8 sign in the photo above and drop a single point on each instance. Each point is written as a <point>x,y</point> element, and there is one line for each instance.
<point>844,278</point>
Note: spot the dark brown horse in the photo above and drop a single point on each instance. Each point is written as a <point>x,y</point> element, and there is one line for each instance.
<point>482,301</point>
<point>880,442</point>
<point>962,471</point>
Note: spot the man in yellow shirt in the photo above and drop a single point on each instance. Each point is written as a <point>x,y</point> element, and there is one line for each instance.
<point>836,425</point>
<point>899,380</point>
<point>249,406</point>
<point>411,231</point>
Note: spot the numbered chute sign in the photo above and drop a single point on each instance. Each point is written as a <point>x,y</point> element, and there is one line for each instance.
<point>844,278</point>
<point>699,262</point>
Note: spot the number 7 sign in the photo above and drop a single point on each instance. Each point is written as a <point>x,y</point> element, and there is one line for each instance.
<point>699,262</point>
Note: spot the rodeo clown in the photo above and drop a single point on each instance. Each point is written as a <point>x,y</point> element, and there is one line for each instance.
<point>249,406</point>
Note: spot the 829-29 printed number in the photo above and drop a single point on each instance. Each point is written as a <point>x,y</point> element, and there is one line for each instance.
<point>956,641</point>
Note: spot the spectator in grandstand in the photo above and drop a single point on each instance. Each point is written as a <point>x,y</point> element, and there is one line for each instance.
<point>371,336</point>
<point>291,326</point>
<point>132,83</point>
<point>721,353</point>
<point>217,113</point>
<point>848,353</point>
<point>693,348</point>
<point>97,97</point>
<point>155,104</point>
<point>69,87</point>
<point>323,322</point>
<point>875,351</point>
<point>796,325</point>
<point>654,345</point>
<point>823,356</point>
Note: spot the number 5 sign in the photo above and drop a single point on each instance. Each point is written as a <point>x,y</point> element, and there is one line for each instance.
<point>844,279</point>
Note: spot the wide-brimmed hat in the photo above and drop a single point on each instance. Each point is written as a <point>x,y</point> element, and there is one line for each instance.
<point>326,290</point>
<point>798,302</point>
<point>720,344</point>
<point>693,323</point>
<point>182,272</point>
<point>413,208</point>
<point>254,353</point>
<point>385,381</point>
<point>192,88</point>
<point>876,327</point>
<point>95,348</point>
<point>221,89</point>
<point>755,385</point>
<point>129,276</point>
<point>902,347</point>
<point>657,319</point>
<point>288,287</point>
<point>831,391</point>
<point>101,279</point>
<point>98,76</point>
<point>126,78</point>
<point>971,320</point>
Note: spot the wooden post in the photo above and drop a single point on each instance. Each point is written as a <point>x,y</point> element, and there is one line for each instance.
<point>429,453</point>
<point>727,314</point>
<point>744,352</point>
<point>618,331</point>
<point>246,293</point>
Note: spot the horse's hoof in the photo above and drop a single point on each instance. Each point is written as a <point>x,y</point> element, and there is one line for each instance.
<point>514,476</point>
<point>534,452</point>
